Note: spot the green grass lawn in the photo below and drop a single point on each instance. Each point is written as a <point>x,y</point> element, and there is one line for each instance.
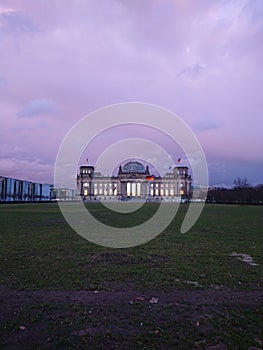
<point>41,253</point>
<point>40,250</point>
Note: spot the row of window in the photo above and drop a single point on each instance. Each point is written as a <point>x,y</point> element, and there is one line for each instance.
<point>101,191</point>
<point>156,192</point>
<point>105,185</point>
<point>153,185</point>
<point>166,185</point>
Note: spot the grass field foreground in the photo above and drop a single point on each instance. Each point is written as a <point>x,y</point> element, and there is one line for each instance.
<point>40,250</point>
<point>59,291</point>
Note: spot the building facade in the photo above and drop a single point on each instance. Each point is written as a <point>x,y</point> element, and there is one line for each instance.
<point>14,190</point>
<point>133,180</point>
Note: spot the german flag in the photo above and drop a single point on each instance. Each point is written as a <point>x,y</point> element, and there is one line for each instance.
<point>149,178</point>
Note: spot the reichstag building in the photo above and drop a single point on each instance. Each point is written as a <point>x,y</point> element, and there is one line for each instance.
<point>133,180</point>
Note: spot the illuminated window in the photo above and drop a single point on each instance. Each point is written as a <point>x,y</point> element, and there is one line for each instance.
<point>138,189</point>
<point>128,188</point>
<point>133,189</point>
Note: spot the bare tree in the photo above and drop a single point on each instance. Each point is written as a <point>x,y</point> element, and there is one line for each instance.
<point>240,185</point>
<point>259,191</point>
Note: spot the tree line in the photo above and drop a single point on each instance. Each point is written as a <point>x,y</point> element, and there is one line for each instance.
<point>241,193</point>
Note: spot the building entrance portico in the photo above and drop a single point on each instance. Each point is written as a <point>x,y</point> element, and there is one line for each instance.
<point>133,189</point>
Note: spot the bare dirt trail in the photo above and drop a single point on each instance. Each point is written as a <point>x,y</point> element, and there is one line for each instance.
<point>53,319</point>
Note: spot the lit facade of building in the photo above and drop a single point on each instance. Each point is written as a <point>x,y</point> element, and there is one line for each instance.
<point>133,180</point>
<point>14,190</point>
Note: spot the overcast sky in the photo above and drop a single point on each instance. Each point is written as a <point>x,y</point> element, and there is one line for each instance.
<point>201,59</point>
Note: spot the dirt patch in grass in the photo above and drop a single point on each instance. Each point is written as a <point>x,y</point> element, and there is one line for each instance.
<point>125,258</point>
<point>128,319</point>
<point>245,258</point>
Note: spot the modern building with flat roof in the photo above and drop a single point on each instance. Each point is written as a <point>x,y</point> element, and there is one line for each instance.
<point>15,190</point>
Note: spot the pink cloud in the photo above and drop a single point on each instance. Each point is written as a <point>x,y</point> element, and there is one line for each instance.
<point>71,59</point>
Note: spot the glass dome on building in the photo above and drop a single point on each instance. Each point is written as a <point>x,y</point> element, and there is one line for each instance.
<point>133,167</point>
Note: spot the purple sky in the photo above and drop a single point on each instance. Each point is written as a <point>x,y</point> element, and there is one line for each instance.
<point>201,59</point>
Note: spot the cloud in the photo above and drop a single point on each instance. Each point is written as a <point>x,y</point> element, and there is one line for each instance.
<point>40,124</point>
<point>204,125</point>
<point>197,59</point>
<point>191,71</point>
<point>3,82</point>
<point>222,171</point>
<point>15,22</point>
<point>4,10</point>
<point>26,169</point>
<point>37,107</point>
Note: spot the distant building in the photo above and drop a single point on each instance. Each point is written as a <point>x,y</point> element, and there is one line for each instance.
<point>13,190</point>
<point>133,180</point>
<point>64,194</point>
